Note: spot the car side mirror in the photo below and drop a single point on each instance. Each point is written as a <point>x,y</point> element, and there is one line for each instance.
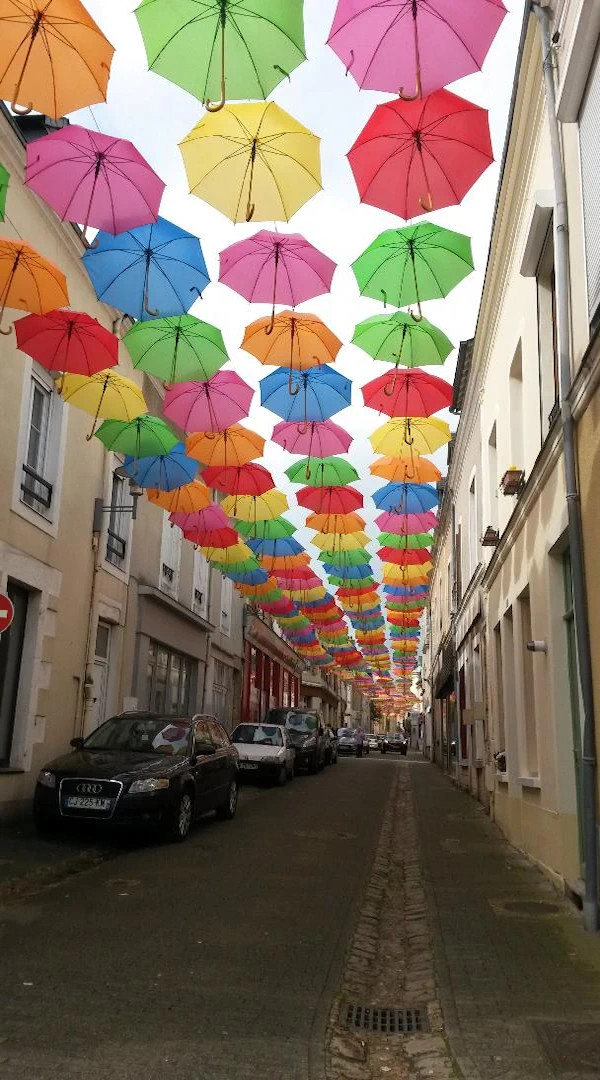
<point>203,749</point>
<point>77,743</point>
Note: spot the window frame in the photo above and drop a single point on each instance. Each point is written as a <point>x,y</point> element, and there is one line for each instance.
<point>43,517</point>
<point>169,584</point>
<point>225,626</point>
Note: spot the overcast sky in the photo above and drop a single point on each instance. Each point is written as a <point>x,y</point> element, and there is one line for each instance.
<point>156,115</point>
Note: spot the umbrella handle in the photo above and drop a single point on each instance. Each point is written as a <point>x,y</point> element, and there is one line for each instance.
<point>388,390</point>
<point>151,311</point>
<point>420,316</point>
<point>21,110</point>
<point>426,204</point>
<point>411,97</point>
<point>216,106</point>
<point>293,390</point>
<point>384,294</point>
<point>250,208</point>
<point>7,332</point>
<point>269,329</point>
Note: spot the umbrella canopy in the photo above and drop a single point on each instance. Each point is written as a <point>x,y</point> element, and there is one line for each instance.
<point>227,50</point>
<point>423,435</point>
<point>276,529</point>
<point>416,156</point>
<point>335,523</point>
<point>399,339</point>
<point>405,556</point>
<point>282,564</point>
<point>407,393</point>
<point>253,162</point>
<point>406,523</point>
<point>236,446</point>
<point>255,507</point>
<point>406,498</point>
<point>331,500</point>
<point>59,69</point>
<point>322,472</point>
<point>321,438</point>
<point>28,281</point>
<point>176,349</point>
<point>68,341</point>
<point>280,547</point>
<point>424,44</point>
<point>297,339</point>
<point>348,542</point>
<point>4,182</point>
<point>311,395</point>
<point>94,179</point>
<point>164,472</point>
<point>230,555</point>
<point>343,558</point>
<point>208,406</point>
<point>222,536</point>
<point>146,436</point>
<point>186,499</point>
<point>154,270</point>
<point>416,540</point>
<point>208,518</point>
<point>416,263</point>
<point>105,394</point>
<point>410,468</point>
<point>248,479</point>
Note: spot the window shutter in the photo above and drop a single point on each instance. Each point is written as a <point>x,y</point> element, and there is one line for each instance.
<point>589,138</point>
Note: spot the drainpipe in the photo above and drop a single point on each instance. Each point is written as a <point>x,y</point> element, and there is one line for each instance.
<point>561,261</point>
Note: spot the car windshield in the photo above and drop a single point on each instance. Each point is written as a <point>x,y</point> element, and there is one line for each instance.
<point>297,721</point>
<point>142,734</point>
<point>257,735</point>
<point>346,735</point>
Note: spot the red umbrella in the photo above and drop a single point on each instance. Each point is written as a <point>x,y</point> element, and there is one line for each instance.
<point>248,479</point>
<point>330,500</point>
<point>407,393</point>
<point>213,538</point>
<point>67,341</point>
<point>416,156</point>
<point>404,556</point>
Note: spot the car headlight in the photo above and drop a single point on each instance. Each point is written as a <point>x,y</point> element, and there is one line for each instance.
<point>47,779</point>
<point>151,784</point>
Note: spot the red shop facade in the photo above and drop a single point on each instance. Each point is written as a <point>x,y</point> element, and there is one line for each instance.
<point>272,672</point>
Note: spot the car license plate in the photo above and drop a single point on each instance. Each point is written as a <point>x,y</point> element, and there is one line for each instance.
<point>77,802</point>
<point>247,765</point>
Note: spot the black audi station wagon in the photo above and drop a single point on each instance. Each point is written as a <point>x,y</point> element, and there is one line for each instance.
<point>142,769</point>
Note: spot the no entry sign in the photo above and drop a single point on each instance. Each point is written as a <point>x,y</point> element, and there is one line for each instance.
<point>7,612</point>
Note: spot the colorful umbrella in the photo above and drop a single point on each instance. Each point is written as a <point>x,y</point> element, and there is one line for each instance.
<point>68,341</point>
<point>331,500</point>
<point>335,523</point>
<point>255,507</point>
<point>28,281</point>
<point>186,499</point>
<point>414,540</point>
<point>230,554</point>
<point>393,45</point>
<point>407,393</point>
<point>347,542</point>
<point>228,49</point>
<point>276,268</point>
<point>313,395</point>
<point>322,472</point>
<point>208,406</point>
<point>146,436</point>
<point>344,558</point>
<point>236,446</point>
<point>404,556</point>
<point>321,438</point>
<point>406,498</point>
<point>416,263</point>
<point>403,524</point>
<point>105,394</point>
<point>54,58</point>
<point>406,469</point>
<point>248,479</point>
<point>4,182</point>
<point>164,472</point>
<point>221,536</point>
<point>150,271</point>
<point>423,435</point>
<point>398,339</point>
<point>279,547</point>
<point>94,179</point>
<point>413,157</point>
<point>176,349</point>
<point>253,162</point>
<point>276,529</point>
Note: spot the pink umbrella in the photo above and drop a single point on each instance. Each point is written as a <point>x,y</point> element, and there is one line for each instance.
<point>317,439</point>
<point>395,45</point>
<point>212,517</point>
<point>94,179</point>
<point>276,268</point>
<point>406,524</point>
<point>208,406</point>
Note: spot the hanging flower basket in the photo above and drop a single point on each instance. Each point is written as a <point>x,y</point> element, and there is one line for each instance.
<point>513,481</point>
<point>490,537</point>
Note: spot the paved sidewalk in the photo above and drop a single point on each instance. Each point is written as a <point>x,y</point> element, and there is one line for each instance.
<point>29,863</point>
<point>519,985</point>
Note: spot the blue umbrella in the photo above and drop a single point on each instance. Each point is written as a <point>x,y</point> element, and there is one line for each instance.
<point>155,270</point>
<point>406,592</point>
<point>307,396</point>
<point>406,498</point>
<point>284,545</point>
<point>364,570</point>
<point>248,577</point>
<point>165,471</point>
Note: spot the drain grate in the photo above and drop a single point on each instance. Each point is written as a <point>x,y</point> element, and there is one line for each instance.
<point>384,1021</point>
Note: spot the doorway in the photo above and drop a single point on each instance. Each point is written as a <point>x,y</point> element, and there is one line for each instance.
<point>11,654</point>
<point>101,672</point>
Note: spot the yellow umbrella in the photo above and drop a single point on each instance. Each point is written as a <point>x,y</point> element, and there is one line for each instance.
<point>422,435</point>
<point>255,507</point>
<point>227,556</point>
<point>339,542</point>
<point>408,469</point>
<point>183,500</point>
<point>305,595</point>
<point>252,162</point>
<point>105,394</point>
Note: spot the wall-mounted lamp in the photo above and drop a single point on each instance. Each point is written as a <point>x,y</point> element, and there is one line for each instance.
<point>537,646</point>
<point>99,509</point>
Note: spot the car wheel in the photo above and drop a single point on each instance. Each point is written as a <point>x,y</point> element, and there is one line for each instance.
<point>282,776</point>
<point>227,810</point>
<point>180,820</point>
<point>313,763</point>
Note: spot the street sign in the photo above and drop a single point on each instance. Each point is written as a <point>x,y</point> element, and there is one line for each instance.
<point>7,612</point>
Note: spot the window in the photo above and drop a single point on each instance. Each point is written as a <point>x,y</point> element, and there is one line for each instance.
<point>226,605</point>
<point>547,340</point>
<point>168,680</point>
<point>117,533</point>
<point>222,702</point>
<point>458,564</point>
<point>200,585</point>
<point>589,125</point>
<point>41,448</point>
<point>516,410</point>
<point>170,557</point>
<point>528,725</point>
<point>473,527</point>
<point>217,735</point>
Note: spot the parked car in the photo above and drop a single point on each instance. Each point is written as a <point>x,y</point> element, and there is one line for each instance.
<point>306,733</point>
<point>347,741</point>
<point>372,742</point>
<point>331,746</point>
<point>142,769</point>
<point>265,751</point>
<point>396,743</point>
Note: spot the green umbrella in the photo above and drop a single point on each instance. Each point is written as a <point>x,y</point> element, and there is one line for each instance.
<point>416,263</point>
<point>398,339</point>
<point>322,472</point>
<point>177,349</point>
<point>345,558</point>
<point>147,436</point>
<point>411,540</point>
<point>223,49</point>
<point>266,530</point>
<point>351,583</point>
<point>412,607</point>
<point>4,178</point>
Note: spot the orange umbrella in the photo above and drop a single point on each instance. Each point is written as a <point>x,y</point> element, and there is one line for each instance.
<point>236,445</point>
<point>54,57</point>
<point>408,469</point>
<point>183,500</point>
<point>294,340</point>
<point>284,562</point>
<point>335,523</point>
<point>258,590</point>
<point>28,281</point>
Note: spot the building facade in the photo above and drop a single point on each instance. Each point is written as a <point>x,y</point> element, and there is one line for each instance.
<point>272,670</point>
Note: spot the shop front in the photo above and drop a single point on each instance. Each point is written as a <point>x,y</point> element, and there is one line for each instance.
<point>272,672</point>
